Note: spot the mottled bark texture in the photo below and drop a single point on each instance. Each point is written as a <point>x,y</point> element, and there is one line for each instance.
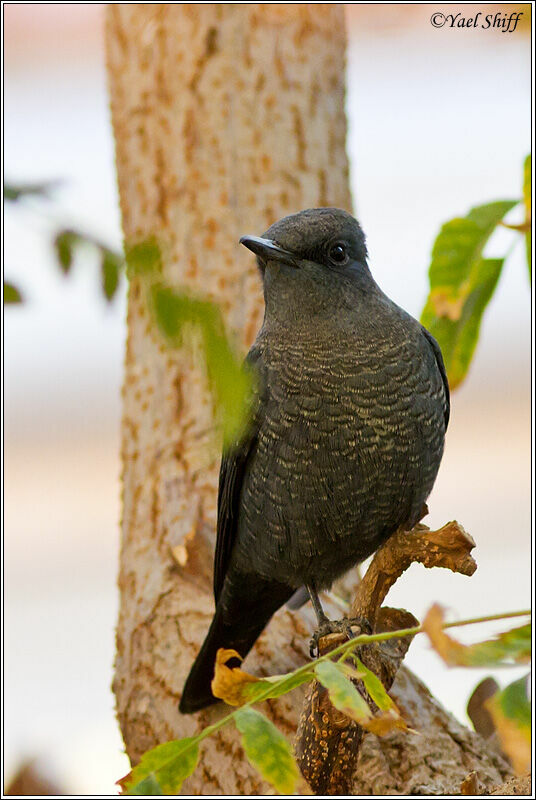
<point>226,117</point>
<point>434,761</point>
<point>334,753</point>
<point>328,742</point>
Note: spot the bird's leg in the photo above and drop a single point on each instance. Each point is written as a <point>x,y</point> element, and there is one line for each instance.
<point>317,605</point>
<point>327,626</point>
<point>324,624</point>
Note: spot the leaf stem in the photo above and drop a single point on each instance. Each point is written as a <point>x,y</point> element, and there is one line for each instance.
<point>342,650</point>
<point>489,618</point>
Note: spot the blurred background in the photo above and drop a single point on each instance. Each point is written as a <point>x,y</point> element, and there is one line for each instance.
<point>439,121</point>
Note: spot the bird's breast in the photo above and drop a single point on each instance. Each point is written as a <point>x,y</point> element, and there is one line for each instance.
<point>349,444</point>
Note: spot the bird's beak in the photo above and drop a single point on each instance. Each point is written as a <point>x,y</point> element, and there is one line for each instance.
<point>268,250</point>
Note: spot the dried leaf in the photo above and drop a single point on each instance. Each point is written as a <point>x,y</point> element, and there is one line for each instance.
<point>512,646</point>
<point>237,687</point>
<point>470,786</point>
<point>231,684</point>
<point>387,721</point>
<point>476,707</point>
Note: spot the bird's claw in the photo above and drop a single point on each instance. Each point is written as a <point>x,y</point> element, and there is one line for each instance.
<point>345,626</point>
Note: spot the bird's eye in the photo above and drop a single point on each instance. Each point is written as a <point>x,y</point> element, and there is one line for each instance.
<point>337,253</point>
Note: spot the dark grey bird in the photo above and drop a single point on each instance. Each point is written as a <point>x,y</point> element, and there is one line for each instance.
<point>345,440</point>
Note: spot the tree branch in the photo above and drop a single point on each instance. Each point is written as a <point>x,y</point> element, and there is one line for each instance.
<point>328,742</point>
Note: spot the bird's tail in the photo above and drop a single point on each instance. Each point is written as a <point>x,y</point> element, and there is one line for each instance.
<point>242,613</point>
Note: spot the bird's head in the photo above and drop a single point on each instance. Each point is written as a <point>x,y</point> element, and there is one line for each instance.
<point>312,261</point>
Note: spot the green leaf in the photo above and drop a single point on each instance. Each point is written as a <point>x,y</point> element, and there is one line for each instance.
<point>14,192</point>
<point>64,245</point>
<point>110,270</point>
<point>11,294</point>
<point>347,699</point>
<point>461,284</point>
<point>171,311</point>
<point>511,714</point>
<point>374,686</point>
<point>513,646</point>
<point>144,257</point>
<point>281,684</point>
<point>111,263</point>
<point>230,382</point>
<point>268,750</point>
<point>527,201</point>
<point>342,692</point>
<point>460,243</point>
<point>458,336</point>
<point>148,786</point>
<point>163,768</point>
<point>515,704</point>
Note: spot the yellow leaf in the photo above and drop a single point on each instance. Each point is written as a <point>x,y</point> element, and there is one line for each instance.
<point>388,717</point>
<point>268,750</point>
<point>346,698</point>
<point>511,646</point>
<point>385,722</point>
<point>513,741</point>
<point>448,648</point>
<point>511,714</point>
<point>231,684</point>
<point>446,305</point>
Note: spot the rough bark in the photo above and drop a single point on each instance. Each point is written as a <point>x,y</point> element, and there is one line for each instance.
<point>336,756</point>
<point>519,786</point>
<point>225,117</point>
<point>328,742</point>
<point>437,759</point>
<point>434,761</point>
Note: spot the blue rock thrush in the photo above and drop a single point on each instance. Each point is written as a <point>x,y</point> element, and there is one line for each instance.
<point>345,441</point>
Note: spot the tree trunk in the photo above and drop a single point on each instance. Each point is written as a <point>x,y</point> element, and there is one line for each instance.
<point>226,117</point>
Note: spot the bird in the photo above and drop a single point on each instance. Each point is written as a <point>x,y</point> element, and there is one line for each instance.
<point>344,440</point>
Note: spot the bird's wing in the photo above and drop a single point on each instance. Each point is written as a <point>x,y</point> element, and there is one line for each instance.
<point>441,367</point>
<point>233,466</point>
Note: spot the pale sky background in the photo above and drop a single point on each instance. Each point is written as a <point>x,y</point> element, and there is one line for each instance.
<point>439,121</point>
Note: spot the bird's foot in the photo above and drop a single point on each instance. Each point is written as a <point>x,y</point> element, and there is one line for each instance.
<point>349,627</point>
